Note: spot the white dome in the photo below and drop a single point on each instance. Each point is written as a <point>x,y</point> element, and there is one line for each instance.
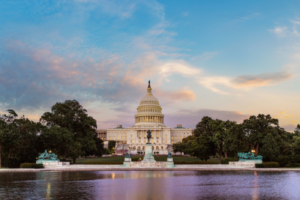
<point>149,110</point>
<point>149,99</point>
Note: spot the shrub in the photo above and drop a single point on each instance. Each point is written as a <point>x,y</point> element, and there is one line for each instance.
<point>31,165</point>
<point>293,165</point>
<point>136,158</point>
<point>283,160</point>
<point>197,162</point>
<point>227,160</point>
<point>101,163</point>
<point>268,165</point>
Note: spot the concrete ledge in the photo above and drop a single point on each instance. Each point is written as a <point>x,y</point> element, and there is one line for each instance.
<point>219,167</point>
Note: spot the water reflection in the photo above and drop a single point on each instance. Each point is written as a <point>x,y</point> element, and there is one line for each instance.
<point>255,187</point>
<point>138,185</point>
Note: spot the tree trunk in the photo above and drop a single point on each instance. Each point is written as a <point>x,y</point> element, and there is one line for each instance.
<point>74,160</point>
<point>220,156</point>
<point>256,149</point>
<point>225,153</point>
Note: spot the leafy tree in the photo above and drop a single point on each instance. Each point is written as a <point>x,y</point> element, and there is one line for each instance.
<point>59,140</point>
<point>257,128</point>
<point>235,140</point>
<point>221,136</point>
<point>295,146</point>
<point>203,148</point>
<point>18,139</point>
<point>71,116</point>
<point>111,145</point>
<point>178,147</point>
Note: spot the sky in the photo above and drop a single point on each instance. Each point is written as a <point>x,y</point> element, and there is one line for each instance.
<point>224,59</point>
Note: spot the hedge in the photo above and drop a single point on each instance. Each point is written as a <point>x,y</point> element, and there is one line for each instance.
<point>227,160</point>
<point>31,165</point>
<point>136,159</point>
<point>196,162</point>
<point>285,160</point>
<point>293,165</point>
<point>268,165</point>
<point>101,163</point>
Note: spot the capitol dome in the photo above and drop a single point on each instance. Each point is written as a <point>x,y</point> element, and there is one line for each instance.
<point>149,110</point>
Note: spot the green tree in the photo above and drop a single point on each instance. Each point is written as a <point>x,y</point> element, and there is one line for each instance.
<point>18,139</point>
<point>257,128</point>
<point>111,145</point>
<point>178,147</point>
<point>59,140</point>
<point>295,146</point>
<point>71,116</point>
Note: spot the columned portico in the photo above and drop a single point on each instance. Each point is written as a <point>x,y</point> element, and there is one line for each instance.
<point>148,117</point>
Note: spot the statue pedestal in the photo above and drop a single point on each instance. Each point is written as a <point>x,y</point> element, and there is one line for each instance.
<point>127,162</point>
<point>148,153</point>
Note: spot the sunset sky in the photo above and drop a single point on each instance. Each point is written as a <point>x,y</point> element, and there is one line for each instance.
<point>223,59</point>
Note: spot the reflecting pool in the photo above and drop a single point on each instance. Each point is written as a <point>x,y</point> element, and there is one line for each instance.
<point>138,185</point>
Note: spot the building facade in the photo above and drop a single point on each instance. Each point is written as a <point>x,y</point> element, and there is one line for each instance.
<point>148,117</point>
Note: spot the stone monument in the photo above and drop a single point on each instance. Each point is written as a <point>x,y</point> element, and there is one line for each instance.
<point>148,149</point>
<point>50,160</point>
<point>170,162</point>
<point>249,157</point>
<point>127,160</point>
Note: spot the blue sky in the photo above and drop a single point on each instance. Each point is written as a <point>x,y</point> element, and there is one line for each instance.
<point>225,59</point>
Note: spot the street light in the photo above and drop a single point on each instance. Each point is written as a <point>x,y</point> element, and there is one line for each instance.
<point>50,151</point>
<point>252,151</point>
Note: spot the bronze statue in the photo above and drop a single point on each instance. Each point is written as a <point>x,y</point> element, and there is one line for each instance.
<point>149,135</point>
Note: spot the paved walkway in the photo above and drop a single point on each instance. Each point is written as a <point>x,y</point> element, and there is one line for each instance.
<point>176,168</point>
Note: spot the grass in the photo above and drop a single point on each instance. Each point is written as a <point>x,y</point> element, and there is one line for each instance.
<point>157,158</point>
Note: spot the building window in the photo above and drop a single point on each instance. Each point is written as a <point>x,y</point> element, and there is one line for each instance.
<point>113,137</point>
<point>131,136</point>
<point>139,141</point>
<point>175,138</point>
<point>122,137</point>
<point>157,141</point>
<point>144,141</point>
<point>110,137</point>
<point>166,136</point>
<point>118,137</point>
<point>172,138</point>
<point>180,137</point>
<point>125,137</point>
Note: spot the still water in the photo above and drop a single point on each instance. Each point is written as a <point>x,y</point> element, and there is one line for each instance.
<point>139,185</point>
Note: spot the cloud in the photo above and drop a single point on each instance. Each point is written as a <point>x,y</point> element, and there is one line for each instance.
<point>205,56</point>
<point>280,31</point>
<point>185,14</point>
<point>244,82</point>
<point>34,78</point>
<point>248,17</point>
<point>261,80</point>
<point>189,118</point>
<point>290,127</point>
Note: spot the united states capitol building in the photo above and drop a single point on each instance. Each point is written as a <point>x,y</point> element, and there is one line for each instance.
<point>148,117</point>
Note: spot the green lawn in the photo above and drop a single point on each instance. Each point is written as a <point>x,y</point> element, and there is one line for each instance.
<point>157,158</point>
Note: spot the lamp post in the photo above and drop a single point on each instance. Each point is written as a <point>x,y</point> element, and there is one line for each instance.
<point>252,151</point>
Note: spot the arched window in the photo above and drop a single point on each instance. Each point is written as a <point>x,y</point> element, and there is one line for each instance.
<point>139,148</point>
<point>162,147</point>
<point>143,147</point>
<point>157,148</point>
